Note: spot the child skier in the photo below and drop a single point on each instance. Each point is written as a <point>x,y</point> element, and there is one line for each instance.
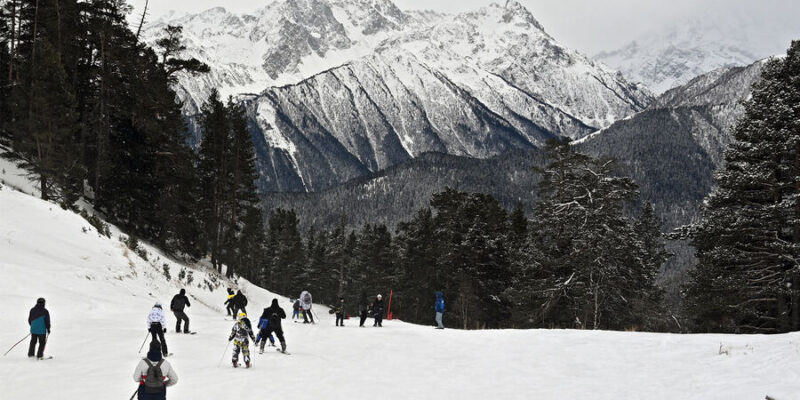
<point>241,331</point>
<point>229,303</point>
<point>263,333</point>
<point>157,326</point>
<point>340,312</point>
<point>296,309</point>
<point>377,310</point>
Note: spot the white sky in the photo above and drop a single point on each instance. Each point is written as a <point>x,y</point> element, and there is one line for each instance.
<point>589,25</point>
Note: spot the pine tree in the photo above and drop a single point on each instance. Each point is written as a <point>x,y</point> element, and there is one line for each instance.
<point>747,278</point>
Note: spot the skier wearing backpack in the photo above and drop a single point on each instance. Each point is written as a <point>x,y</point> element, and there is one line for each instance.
<point>377,311</point>
<point>154,374</point>
<point>362,308</point>
<point>263,333</point>
<point>339,310</point>
<point>275,314</point>
<point>156,325</point>
<point>439,307</point>
<point>239,302</point>
<point>241,331</point>
<point>177,305</point>
<point>229,302</point>
<point>39,320</point>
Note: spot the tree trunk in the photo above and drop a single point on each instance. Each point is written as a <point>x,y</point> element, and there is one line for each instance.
<point>795,290</point>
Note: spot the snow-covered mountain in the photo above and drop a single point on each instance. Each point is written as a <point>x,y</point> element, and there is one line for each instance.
<point>352,86</point>
<point>716,36</point>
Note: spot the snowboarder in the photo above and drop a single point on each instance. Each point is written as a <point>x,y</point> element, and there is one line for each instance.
<point>377,311</point>
<point>177,305</point>
<point>156,324</point>
<point>263,334</point>
<point>229,302</point>
<point>241,331</point>
<point>154,374</point>
<point>362,308</point>
<point>439,307</point>
<point>275,314</point>
<point>340,312</point>
<point>39,320</point>
<point>305,304</point>
<point>296,309</point>
<point>239,302</point>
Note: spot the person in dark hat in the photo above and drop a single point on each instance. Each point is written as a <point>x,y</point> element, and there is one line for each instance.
<point>39,320</point>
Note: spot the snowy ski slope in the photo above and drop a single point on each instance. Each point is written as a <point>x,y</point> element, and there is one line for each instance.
<point>98,294</point>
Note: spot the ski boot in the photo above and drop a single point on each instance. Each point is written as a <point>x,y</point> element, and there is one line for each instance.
<point>235,364</point>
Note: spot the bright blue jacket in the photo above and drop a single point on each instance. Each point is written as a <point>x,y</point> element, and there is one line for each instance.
<point>439,302</point>
<point>39,320</point>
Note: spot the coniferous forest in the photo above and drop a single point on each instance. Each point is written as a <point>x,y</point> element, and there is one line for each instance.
<point>89,110</point>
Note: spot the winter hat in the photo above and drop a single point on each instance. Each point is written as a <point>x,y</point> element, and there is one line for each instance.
<point>158,304</point>
<point>155,351</point>
<point>183,292</point>
<point>380,297</point>
<point>40,301</point>
<point>274,302</point>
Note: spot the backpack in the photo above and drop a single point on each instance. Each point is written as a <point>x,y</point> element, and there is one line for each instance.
<point>154,380</point>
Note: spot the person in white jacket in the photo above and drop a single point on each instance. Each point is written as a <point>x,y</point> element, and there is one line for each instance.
<point>157,325</point>
<point>168,375</point>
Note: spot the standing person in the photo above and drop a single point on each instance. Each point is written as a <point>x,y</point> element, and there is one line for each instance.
<point>239,303</point>
<point>362,308</point>
<point>154,375</point>
<point>241,331</point>
<point>177,305</point>
<point>263,333</point>
<point>275,314</point>
<point>340,312</point>
<point>439,307</point>
<point>296,309</point>
<point>229,302</point>
<point>377,311</point>
<point>305,304</point>
<point>39,321</point>
<point>156,324</point>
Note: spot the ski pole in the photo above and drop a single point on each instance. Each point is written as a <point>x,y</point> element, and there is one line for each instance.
<point>143,342</point>
<point>15,344</point>
<point>223,354</point>
<point>134,393</point>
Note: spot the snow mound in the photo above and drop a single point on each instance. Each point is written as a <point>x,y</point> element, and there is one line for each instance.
<point>98,293</point>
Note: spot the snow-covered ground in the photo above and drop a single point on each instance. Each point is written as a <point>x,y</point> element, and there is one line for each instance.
<point>98,293</point>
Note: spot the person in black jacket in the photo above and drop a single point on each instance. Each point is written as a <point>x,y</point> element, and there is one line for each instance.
<point>229,302</point>
<point>340,312</point>
<point>239,303</point>
<point>362,308</point>
<point>179,302</point>
<point>377,311</point>
<point>39,320</point>
<point>275,314</point>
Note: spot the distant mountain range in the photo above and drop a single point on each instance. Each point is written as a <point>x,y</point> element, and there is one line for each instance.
<point>343,88</point>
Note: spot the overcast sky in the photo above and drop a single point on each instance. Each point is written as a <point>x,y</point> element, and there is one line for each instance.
<point>587,25</point>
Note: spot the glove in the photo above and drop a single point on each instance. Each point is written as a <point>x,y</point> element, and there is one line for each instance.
<point>48,331</point>
<point>165,330</point>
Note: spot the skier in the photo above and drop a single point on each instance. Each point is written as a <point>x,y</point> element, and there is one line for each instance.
<point>156,324</point>
<point>275,314</point>
<point>241,331</point>
<point>154,375</point>
<point>439,307</point>
<point>263,334</point>
<point>229,303</point>
<point>239,302</point>
<point>362,308</point>
<point>39,320</point>
<point>377,311</point>
<point>178,303</point>
<point>305,304</point>
<point>340,312</point>
<point>296,309</point>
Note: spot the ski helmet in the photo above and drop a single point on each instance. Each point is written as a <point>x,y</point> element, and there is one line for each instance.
<point>379,296</point>
<point>40,301</point>
<point>158,304</point>
<point>242,315</point>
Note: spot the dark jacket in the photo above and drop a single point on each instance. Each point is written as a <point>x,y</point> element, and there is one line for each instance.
<point>339,309</point>
<point>275,314</point>
<point>180,301</point>
<point>296,305</point>
<point>239,301</point>
<point>377,308</point>
<point>39,320</point>
<point>363,306</point>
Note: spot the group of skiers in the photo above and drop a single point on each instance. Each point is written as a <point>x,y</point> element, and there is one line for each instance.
<point>154,373</point>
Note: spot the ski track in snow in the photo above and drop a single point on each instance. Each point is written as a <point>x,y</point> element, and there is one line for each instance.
<point>98,296</point>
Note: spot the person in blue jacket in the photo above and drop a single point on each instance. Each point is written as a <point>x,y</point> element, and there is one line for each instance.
<point>39,320</point>
<point>263,332</point>
<point>439,306</point>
